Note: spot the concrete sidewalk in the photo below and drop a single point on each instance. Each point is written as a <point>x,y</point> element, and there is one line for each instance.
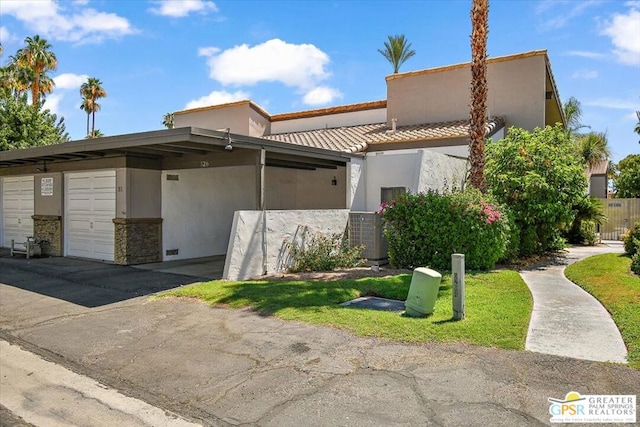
<point>566,320</point>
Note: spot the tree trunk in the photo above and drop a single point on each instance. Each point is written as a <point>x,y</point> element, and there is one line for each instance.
<point>87,123</point>
<point>93,122</point>
<point>477,117</point>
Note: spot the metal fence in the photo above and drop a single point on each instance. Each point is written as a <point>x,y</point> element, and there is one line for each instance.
<point>621,214</point>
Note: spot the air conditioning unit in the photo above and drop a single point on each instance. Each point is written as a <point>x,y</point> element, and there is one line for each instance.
<point>365,228</point>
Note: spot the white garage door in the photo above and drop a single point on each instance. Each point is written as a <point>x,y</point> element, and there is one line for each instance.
<point>17,209</point>
<point>90,207</point>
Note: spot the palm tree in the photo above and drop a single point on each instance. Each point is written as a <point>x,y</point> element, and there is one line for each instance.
<point>38,58</point>
<point>168,120</point>
<point>573,114</point>
<point>15,77</point>
<point>94,134</point>
<point>637,128</point>
<point>87,107</point>
<point>397,51</point>
<point>593,148</point>
<point>91,91</point>
<point>478,113</point>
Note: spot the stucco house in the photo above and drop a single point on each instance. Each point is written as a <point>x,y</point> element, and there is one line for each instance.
<point>190,191</point>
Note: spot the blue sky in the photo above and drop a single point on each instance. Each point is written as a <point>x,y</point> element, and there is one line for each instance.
<point>155,57</point>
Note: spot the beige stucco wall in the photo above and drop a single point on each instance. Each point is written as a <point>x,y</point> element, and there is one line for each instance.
<point>598,186</point>
<point>305,189</point>
<point>516,92</point>
<point>137,193</point>
<point>48,205</point>
<point>241,119</point>
<point>245,252</point>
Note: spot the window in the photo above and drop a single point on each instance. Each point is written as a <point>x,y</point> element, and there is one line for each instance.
<point>388,194</point>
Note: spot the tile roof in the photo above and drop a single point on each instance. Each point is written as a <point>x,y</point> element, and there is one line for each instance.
<point>599,168</point>
<point>362,106</point>
<point>354,139</point>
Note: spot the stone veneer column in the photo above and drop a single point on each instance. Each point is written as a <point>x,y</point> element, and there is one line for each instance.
<point>137,240</point>
<point>49,229</point>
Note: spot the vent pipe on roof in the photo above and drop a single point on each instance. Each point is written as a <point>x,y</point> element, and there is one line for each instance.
<point>393,124</point>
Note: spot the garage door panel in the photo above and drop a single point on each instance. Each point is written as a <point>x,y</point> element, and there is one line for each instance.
<point>91,207</point>
<point>17,209</point>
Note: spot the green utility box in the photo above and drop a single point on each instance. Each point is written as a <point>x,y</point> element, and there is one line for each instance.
<point>423,292</point>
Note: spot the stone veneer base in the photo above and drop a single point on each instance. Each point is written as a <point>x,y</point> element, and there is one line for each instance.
<point>137,240</point>
<point>48,228</point>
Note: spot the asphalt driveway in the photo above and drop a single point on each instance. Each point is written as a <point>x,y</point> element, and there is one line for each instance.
<point>84,282</point>
<point>229,367</point>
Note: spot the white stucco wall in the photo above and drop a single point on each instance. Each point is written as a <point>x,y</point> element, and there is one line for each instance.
<point>245,252</point>
<point>416,170</point>
<point>197,210</point>
<point>355,187</point>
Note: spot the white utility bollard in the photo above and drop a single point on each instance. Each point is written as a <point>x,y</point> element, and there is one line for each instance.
<point>457,276</point>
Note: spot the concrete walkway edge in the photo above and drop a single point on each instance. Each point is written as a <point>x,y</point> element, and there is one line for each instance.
<point>568,321</point>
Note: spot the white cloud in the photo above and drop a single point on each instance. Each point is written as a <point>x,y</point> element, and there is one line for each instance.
<point>70,80</point>
<point>561,12</point>
<point>585,54</point>
<point>52,103</point>
<point>81,2</point>
<point>208,51</point>
<point>182,8</point>
<point>216,98</point>
<point>614,103</point>
<point>5,35</point>
<point>585,74</point>
<point>321,95</point>
<point>624,31</point>
<point>81,25</point>
<point>301,66</point>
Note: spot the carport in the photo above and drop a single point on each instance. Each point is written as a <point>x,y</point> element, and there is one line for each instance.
<point>161,195</point>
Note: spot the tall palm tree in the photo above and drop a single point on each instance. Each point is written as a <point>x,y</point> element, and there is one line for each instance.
<point>91,91</point>
<point>478,113</point>
<point>637,128</point>
<point>168,120</point>
<point>38,58</point>
<point>15,77</point>
<point>593,148</point>
<point>86,106</point>
<point>573,113</point>
<point>397,50</point>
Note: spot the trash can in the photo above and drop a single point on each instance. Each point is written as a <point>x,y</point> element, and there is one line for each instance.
<point>423,292</point>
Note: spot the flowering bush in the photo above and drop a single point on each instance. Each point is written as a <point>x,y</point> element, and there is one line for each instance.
<point>425,229</point>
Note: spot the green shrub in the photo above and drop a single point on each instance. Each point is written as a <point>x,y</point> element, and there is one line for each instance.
<point>635,263</point>
<point>540,177</point>
<point>425,229</point>
<point>589,210</point>
<point>324,253</point>
<point>631,239</point>
<point>588,233</point>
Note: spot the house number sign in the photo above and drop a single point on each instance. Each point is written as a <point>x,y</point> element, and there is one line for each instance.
<point>46,186</point>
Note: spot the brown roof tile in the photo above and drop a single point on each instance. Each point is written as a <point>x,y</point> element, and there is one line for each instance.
<point>355,139</point>
<point>330,110</point>
<point>599,168</point>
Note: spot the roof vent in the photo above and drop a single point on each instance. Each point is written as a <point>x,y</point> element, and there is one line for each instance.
<point>394,121</point>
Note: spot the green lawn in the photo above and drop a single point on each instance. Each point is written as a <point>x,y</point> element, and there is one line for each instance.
<point>498,307</point>
<point>608,278</point>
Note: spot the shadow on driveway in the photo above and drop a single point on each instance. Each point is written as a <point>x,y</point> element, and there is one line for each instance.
<point>83,282</point>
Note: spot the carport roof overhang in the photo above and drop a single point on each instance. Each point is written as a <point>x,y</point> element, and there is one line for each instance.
<point>165,143</point>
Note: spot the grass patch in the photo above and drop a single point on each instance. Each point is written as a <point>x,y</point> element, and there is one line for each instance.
<point>608,278</point>
<point>498,307</point>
